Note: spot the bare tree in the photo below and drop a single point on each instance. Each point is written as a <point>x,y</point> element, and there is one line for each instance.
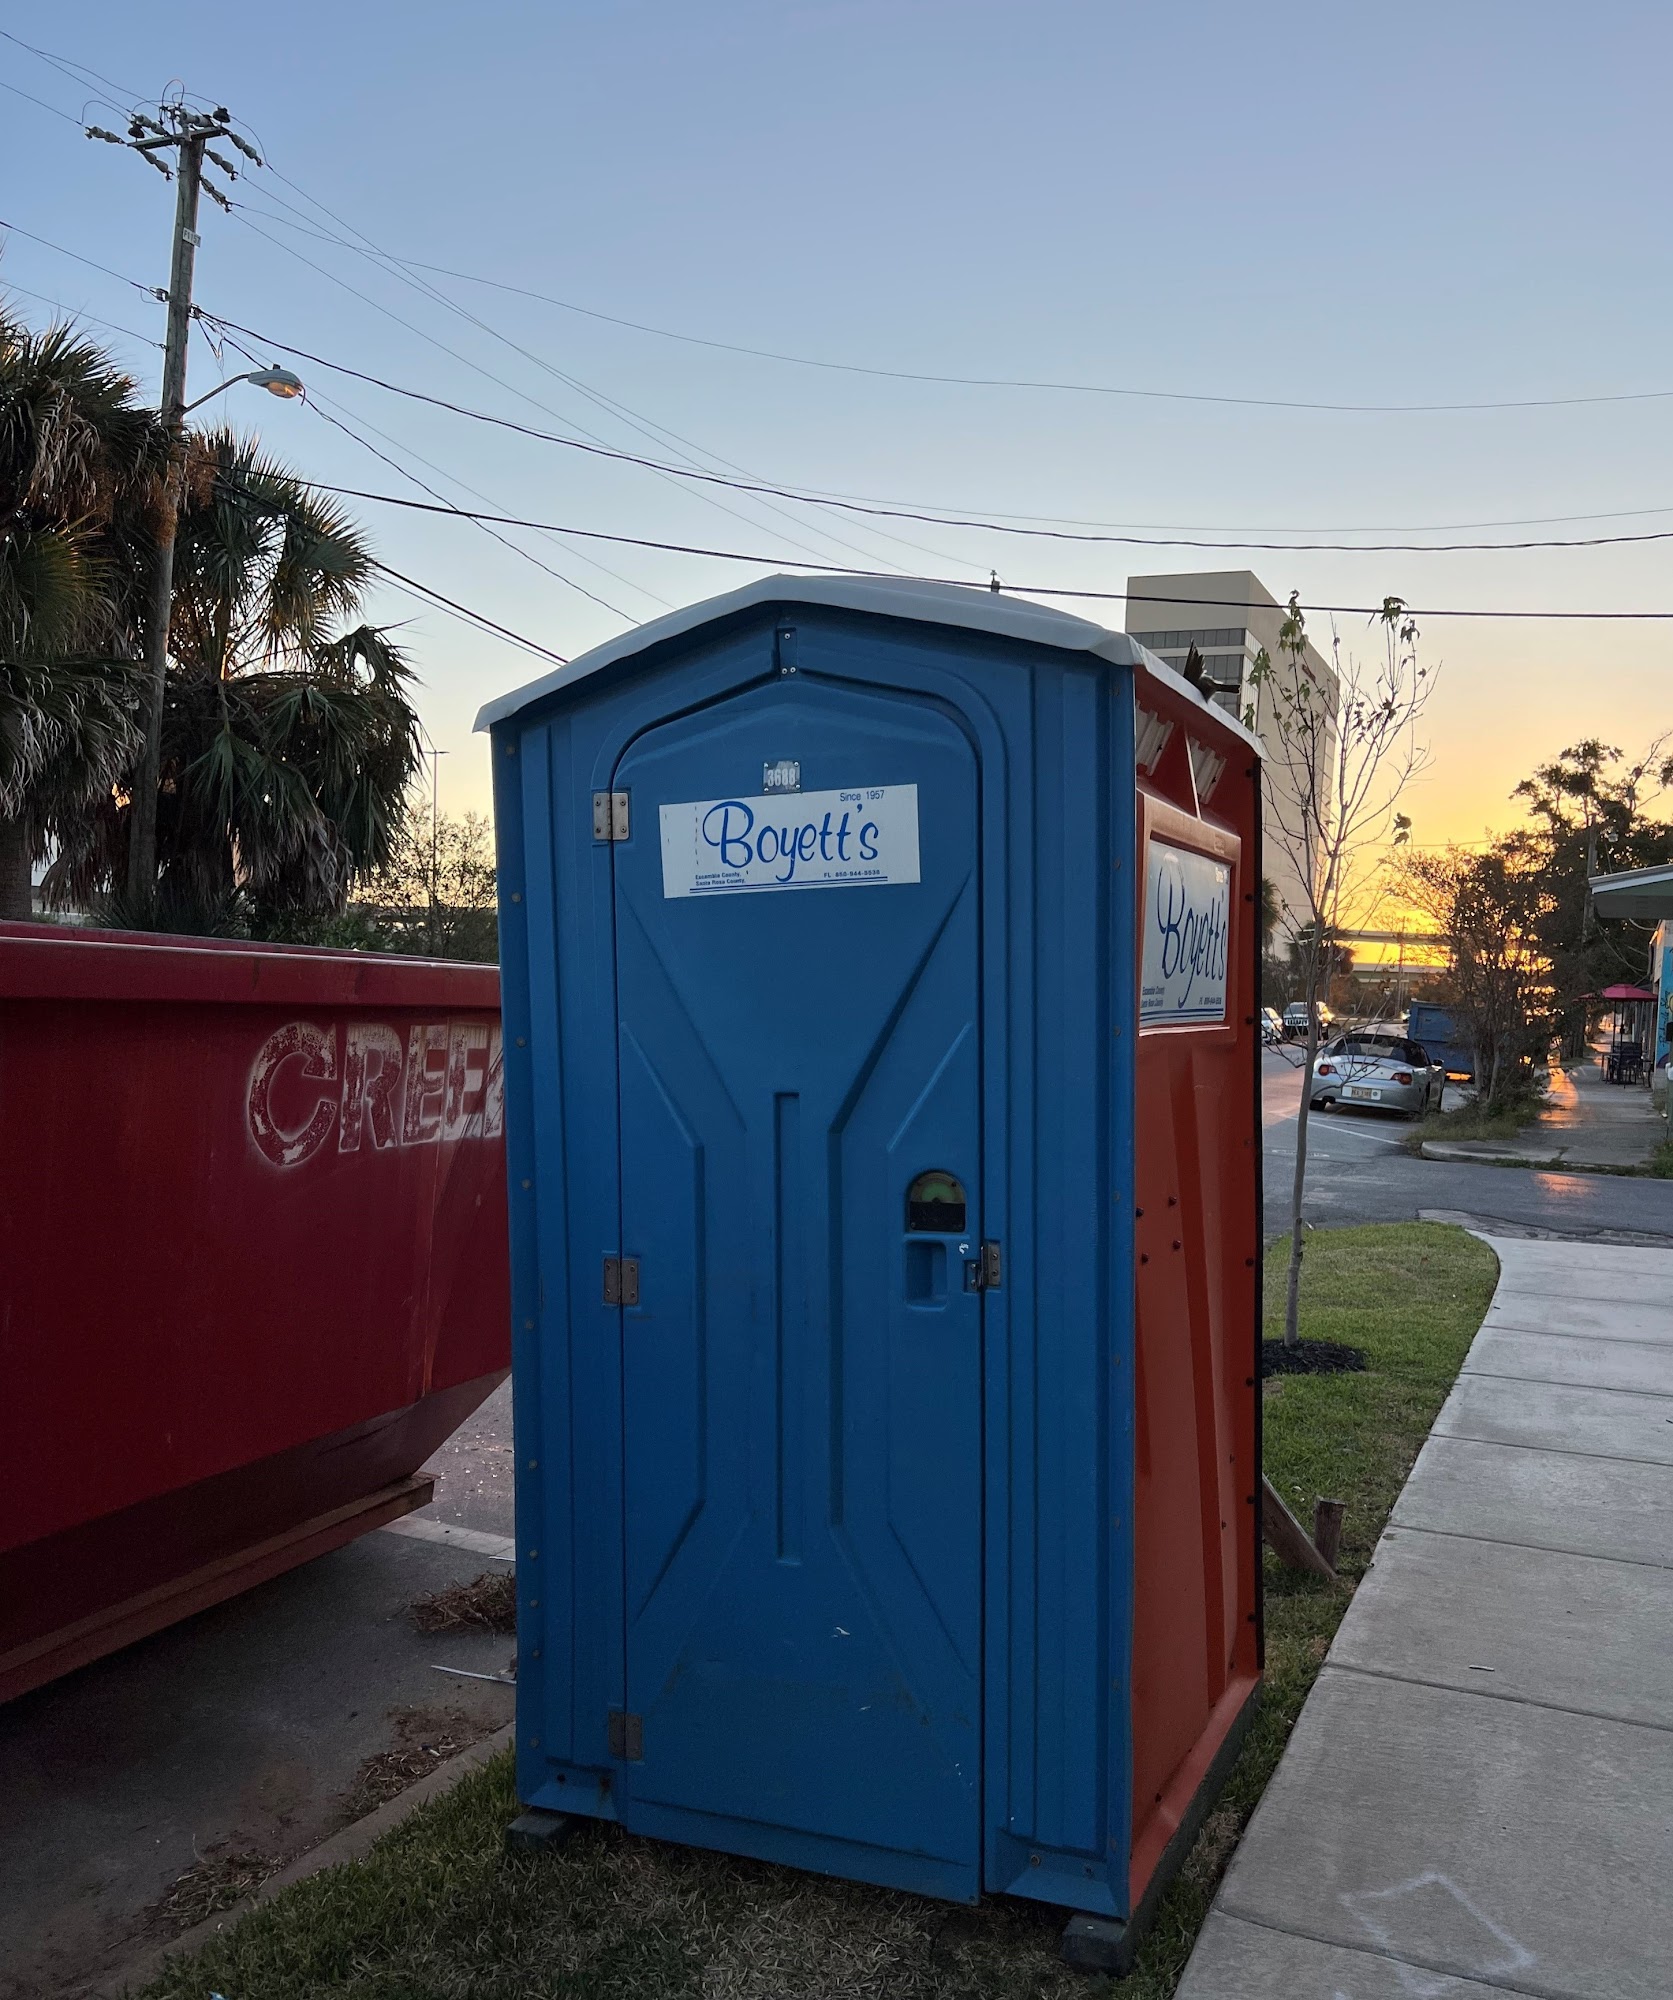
<point>1492,908</point>
<point>1334,776</point>
<point>437,896</point>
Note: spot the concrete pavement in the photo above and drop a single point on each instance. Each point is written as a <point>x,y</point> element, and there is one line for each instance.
<point>1478,1797</point>
<point>1586,1124</point>
<point>240,1731</point>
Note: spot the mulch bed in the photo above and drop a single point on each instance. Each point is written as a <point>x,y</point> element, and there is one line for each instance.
<point>1311,1357</point>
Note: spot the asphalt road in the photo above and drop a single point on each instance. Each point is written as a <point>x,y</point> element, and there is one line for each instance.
<point>1359,1171</point>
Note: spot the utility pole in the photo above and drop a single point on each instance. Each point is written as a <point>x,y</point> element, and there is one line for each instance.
<point>187,134</point>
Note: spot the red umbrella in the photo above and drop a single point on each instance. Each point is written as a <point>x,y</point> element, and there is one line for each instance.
<point>1624,993</point>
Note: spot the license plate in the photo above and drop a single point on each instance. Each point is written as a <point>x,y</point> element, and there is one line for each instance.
<point>1361,1090</point>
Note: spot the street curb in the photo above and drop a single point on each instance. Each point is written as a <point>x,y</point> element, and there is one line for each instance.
<point>352,1844</point>
<point>1452,1151</point>
<point>1457,1151</point>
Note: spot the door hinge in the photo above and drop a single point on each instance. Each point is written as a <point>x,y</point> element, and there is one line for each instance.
<point>621,1281</point>
<point>627,1736</point>
<point>986,1272</point>
<point>611,818</point>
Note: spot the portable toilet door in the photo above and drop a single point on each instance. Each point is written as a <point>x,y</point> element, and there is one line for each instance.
<point>814,1064</point>
<point>801,1419</point>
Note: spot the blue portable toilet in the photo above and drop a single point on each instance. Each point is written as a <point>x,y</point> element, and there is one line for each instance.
<point>885,1479</point>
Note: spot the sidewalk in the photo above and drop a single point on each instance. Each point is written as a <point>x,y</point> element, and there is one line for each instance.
<point>1586,1124</point>
<point>1478,1797</point>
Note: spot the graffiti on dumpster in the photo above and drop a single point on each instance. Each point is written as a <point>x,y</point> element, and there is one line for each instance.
<point>360,1081</point>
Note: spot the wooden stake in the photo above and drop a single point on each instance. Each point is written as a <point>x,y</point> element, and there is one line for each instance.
<point>1327,1528</point>
<point>1287,1538</point>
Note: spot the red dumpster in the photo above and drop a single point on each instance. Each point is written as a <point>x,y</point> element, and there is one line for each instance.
<point>252,1265</point>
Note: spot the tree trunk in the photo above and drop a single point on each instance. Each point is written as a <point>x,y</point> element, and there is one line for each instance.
<point>1292,1296</point>
<point>17,897</point>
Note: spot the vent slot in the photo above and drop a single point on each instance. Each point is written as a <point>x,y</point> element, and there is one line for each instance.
<point>1207,767</point>
<point>1151,734</point>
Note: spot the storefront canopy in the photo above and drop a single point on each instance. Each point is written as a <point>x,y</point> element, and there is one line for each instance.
<point>1644,893</point>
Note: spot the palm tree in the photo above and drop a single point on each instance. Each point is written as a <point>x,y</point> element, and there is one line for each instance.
<point>78,462</point>
<point>289,736</point>
<point>289,739</point>
<point>68,729</point>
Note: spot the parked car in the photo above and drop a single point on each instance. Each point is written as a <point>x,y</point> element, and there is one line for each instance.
<point>1295,1020</point>
<point>1272,1026</point>
<point>1384,1072</point>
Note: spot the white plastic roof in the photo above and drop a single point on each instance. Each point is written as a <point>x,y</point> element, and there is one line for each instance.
<point>974,609</point>
<point>1645,893</point>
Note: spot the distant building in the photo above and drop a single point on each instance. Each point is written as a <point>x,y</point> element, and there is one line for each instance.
<point>1230,617</point>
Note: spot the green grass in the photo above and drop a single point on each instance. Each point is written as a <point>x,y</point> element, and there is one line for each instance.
<point>439,1911</point>
<point>1660,1162</point>
<point>1510,1116</point>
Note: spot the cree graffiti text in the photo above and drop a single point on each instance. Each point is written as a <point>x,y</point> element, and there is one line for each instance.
<point>372,1089</point>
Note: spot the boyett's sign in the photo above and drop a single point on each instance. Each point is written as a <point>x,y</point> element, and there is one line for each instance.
<point>361,1085</point>
<point>810,840</point>
<point>1187,922</point>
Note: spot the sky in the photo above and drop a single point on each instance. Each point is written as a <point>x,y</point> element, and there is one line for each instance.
<point>1291,203</point>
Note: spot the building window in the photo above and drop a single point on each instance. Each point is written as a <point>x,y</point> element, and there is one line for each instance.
<point>1173,642</point>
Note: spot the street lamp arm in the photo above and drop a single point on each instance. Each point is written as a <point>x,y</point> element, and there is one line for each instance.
<point>219,389</point>
<point>276,381</point>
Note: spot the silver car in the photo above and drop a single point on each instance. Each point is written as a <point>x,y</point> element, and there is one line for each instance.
<point>1379,1071</point>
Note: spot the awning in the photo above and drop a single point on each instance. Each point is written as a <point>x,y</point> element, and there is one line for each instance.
<point>1644,893</point>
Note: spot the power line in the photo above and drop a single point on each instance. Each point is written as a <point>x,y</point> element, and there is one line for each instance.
<point>999,523</point>
<point>464,611</point>
<point>980,524</point>
<point>429,291</point>
<point>827,493</point>
<point>963,583</point>
<point>92,263</point>
<point>57,305</point>
<point>465,486</point>
<point>65,64</point>
<point>945,515</point>
<point>993,381</point>
<point>592,562</point>
<point>337,423</point>
<point>30,96</point>
<point>504,541</point>
<point>687,448</point>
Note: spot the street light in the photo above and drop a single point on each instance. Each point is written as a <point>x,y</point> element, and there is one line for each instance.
<point>142,831</point>
<point>276,381</point>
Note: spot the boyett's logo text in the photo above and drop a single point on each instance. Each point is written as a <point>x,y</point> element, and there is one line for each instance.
<point>816,840</point>
<point>1187,922</point>
<point>359,1081</point>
